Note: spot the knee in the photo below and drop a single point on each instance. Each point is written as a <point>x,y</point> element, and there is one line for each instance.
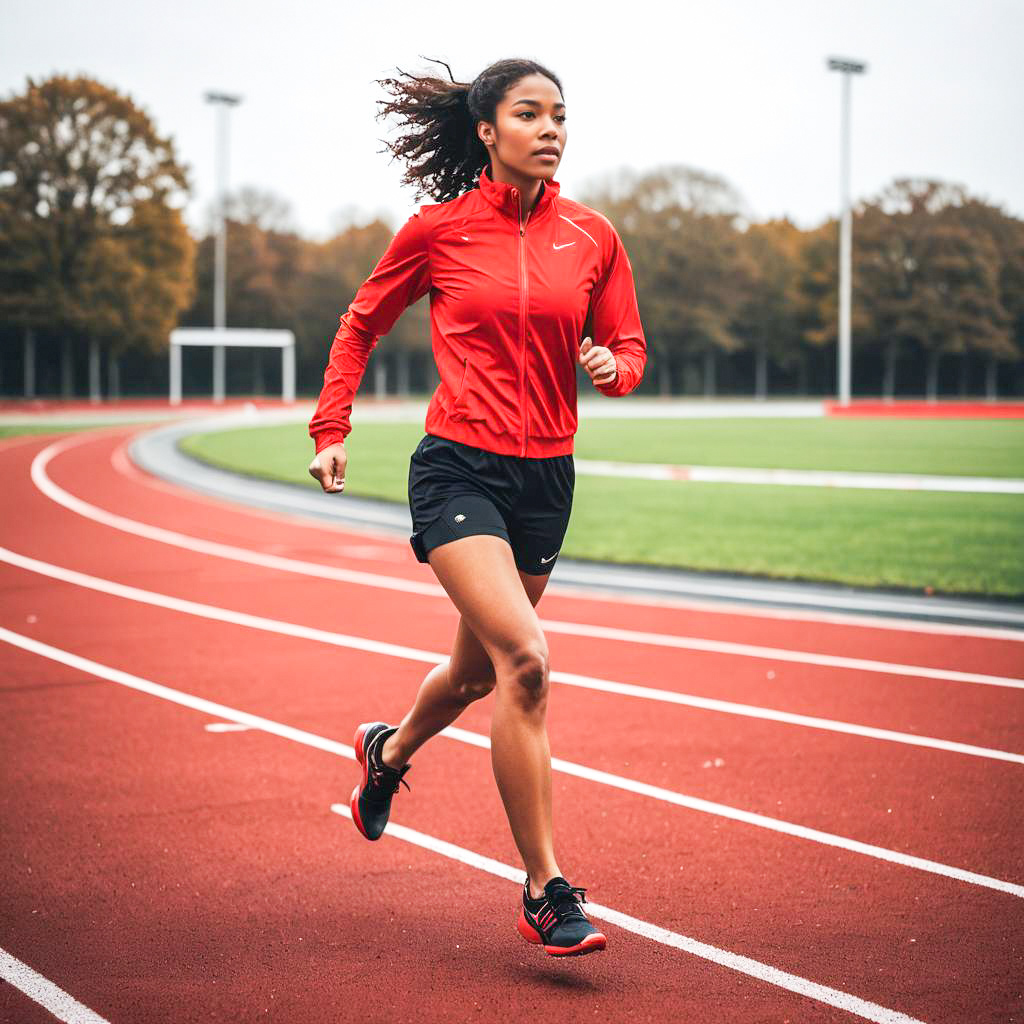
<point>528,674</point>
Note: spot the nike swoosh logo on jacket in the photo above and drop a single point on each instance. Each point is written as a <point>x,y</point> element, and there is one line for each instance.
<point>508,312</point>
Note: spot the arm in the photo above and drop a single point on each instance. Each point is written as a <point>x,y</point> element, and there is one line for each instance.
<point>616,322</point>
<point>400,278</point>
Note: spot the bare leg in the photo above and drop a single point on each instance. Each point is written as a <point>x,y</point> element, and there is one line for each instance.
<point>481,577</point>
<point>449,688</point>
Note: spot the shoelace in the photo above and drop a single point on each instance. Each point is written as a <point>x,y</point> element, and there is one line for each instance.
<point>379,771</point>
<point>564,903</point>
<point>377,776</point>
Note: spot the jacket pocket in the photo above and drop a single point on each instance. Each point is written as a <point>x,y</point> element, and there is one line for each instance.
<point>465,405</point>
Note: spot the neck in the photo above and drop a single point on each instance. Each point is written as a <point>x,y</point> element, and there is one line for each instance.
<point>529,188</point>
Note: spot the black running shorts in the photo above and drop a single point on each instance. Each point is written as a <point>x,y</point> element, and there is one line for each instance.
<point>456,490</point>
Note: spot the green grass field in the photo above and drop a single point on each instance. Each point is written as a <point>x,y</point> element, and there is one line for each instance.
<point>952,543</point>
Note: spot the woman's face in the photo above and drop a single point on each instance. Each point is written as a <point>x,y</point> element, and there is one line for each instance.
<point>530,117</point>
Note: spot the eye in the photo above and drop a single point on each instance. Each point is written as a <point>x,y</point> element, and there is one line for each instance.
<point>559,117</point>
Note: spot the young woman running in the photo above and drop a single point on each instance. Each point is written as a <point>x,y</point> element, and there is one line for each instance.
<point>517,274</point>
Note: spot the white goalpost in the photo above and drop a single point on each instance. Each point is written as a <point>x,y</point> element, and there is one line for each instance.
<point>219,338</point>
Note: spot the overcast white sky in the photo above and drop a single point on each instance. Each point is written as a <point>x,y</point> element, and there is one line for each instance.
<point>735,87</point>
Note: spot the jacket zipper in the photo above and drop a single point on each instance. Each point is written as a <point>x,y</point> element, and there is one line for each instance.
<point>524,413</point>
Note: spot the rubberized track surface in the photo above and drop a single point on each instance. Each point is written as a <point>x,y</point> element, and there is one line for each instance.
<point>155,870</point>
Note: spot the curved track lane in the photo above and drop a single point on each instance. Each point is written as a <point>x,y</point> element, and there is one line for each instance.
<point>162,871</point>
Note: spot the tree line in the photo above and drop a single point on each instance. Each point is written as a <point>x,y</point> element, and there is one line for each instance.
<point>97,267</point>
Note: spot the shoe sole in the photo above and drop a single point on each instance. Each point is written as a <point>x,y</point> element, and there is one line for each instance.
<point>591,944</point>
<point>353,803</point>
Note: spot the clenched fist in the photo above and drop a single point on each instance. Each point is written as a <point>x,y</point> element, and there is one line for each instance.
<point>598,361</point>
<point>328,466</point>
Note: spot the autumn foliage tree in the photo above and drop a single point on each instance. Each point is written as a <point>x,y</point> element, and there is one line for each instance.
<point>932,277</point>
<point>93,249</point>
<point>682,229</point>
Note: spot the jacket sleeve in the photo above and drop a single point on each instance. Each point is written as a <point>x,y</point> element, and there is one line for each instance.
<point>616,321</point>
<point>400,278</point>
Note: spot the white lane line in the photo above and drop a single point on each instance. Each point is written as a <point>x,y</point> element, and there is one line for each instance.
<point>729,647</point>
<point>250,721</point>
<point>320,571</point>
<point>565,584</point>
<point>225,727</point>
<point>800,477</point>
<point>43,991</point>
<point>722,957</point>
<point>757,820</point>
<point>733,961</point>
<point>432,657</point>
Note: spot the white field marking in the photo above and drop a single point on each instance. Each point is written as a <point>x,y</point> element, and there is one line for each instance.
<point>248,721</point>
<point>751,818</point>
<point>691,643</point>
<point>225,727</point>
<point>722,957</point>
<point>733,961</point>
<point>868,617</point>
<point>320,571</point>
<point>800,477</point>
<point>359,643</point>
<point>869,603</point>
<point>43,991</point>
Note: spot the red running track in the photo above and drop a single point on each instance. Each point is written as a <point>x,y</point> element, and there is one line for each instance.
<point>155,870</point>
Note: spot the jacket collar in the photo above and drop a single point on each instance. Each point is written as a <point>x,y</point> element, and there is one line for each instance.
<point>506,198</point>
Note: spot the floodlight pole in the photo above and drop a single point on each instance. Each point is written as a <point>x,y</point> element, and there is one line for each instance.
<point>224,104</point>
<point>848,67</point>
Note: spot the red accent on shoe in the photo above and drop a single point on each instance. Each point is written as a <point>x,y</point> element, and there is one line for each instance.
<point>590,944</point>
<point>357,743</point>
<point>526,929</point>
<point>353,805</point>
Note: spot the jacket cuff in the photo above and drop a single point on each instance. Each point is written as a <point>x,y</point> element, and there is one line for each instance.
<point>326,438</point>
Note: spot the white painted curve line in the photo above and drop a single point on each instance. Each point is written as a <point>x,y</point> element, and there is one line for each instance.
<point>57,494</point>
<point>359,643</point>
<point>566,583</point>
<point>757,820</point>
<point>801,477</point>
<point>43,991</point>
<point>248,721</point>
<point>722,957</point>
<point>728,647</point>
<point>283,564</point>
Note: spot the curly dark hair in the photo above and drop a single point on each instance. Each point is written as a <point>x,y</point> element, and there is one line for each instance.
<point>443,152</point>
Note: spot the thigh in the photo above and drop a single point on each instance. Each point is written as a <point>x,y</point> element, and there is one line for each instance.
<point>470,662</point>
<point>540,518</point>
<point>480,576</point>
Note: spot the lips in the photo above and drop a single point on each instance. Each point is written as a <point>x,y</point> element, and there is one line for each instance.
<point>547,151</point>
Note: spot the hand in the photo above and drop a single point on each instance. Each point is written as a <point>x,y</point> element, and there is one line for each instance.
<point>598,361</point>
<point>328,466</point>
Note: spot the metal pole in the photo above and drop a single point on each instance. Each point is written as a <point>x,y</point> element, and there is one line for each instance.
<point>845,248</point>
<point>224,102</point>
<point>288,373</point>
<point>219,312</point>
<point>175,369</point>
<point>845,347</point>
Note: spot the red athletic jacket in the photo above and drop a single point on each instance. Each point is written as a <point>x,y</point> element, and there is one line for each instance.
<point>508,307</point>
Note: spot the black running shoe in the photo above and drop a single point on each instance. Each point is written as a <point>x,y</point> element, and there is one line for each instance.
<point>371,800</point>
<point>557,921</point>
